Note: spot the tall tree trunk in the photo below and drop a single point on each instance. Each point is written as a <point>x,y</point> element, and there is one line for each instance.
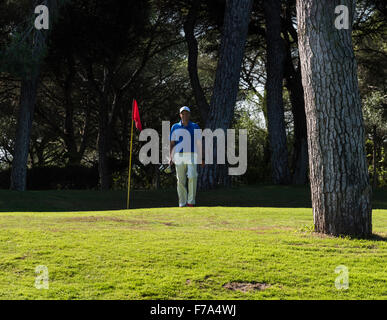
<point>296,92</point>
<point>274,86</point>
<point>156,177</point>
<point>236,22</point>
<point>341,193</point>
<point>374,160</point>
<point>104,148</point>
<point>29,84</point>
<point>189,27</point>
<point>105,123</point>
<point>23,132</point>
<point>74,157</point>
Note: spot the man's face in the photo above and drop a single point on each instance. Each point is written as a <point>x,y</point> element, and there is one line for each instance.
<point>185,116</point>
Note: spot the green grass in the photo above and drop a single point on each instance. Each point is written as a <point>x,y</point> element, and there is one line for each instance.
<point>182,253</point>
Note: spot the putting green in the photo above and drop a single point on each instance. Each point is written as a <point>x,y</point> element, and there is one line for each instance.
<point>186,253</point>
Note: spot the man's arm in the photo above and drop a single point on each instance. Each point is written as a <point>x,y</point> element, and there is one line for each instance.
<point>172,144</point>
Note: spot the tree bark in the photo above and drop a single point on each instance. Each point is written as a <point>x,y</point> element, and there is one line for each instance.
<point>236,22</point>
<point>274,85</point>
<point>23,132</point>
<point>28,93</point>
<point>374,160</point>
<point>296,93</point>
<point>104,148</point>
<point>293,78</point>
<point>74,156</point>
<point>105,123</point>
<point>192,43</point>
<point>340,189</point>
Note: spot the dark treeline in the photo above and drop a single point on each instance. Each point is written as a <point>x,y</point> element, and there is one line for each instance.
<point>66,93</point>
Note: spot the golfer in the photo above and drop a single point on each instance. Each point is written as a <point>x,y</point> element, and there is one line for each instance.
<point>184,152</point>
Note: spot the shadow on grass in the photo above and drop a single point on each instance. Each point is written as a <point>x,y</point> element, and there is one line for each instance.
<point>88,200</point>
<point>377,237</point>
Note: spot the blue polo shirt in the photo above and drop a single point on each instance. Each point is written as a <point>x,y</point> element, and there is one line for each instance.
<point>177,135</point>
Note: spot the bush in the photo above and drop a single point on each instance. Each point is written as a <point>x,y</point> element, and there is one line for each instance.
<point>48,178</point>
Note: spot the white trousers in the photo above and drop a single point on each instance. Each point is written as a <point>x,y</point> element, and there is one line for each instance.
<point>186,167</point>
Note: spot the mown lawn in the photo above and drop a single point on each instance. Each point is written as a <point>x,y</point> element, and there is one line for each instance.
<point>185,253</point>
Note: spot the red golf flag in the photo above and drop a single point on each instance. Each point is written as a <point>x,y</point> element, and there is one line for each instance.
<point>136,115</point>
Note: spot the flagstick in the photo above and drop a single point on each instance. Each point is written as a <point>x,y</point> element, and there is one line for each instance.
<point>130,161</point>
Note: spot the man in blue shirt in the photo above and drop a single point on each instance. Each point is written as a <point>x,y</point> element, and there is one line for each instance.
<point>186,141</point>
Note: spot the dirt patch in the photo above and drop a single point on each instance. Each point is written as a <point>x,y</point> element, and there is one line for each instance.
<point>170,224</point>
<point>246,286</point>
<point>317,235</point>
<point>64,230</point>
<point>22,257</point>
<point>266,229</point>
<point>104,219</point>
<point>219,222</point>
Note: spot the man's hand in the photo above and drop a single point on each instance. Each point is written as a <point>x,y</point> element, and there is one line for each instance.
<point>170,162</point>
<point>202,164</point>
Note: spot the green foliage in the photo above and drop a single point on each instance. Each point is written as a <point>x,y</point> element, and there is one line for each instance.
<point>375,117</point>
<point>382,168</point>
<point>375,109</point>
<point>257,165</point>
<point>100,30</point>
<point>26,49</point>
<point>19,59</point>
<point>113,40</point>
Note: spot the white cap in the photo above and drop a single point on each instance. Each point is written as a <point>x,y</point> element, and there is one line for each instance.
<point>184,108</point>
